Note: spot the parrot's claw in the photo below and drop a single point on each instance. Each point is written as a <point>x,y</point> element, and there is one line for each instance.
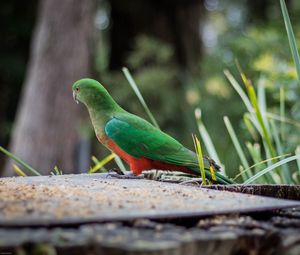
<point>117,173</point>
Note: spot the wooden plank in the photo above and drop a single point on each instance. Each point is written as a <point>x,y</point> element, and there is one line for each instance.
<point>285,191</point>
<point>219,235</point>
<point>77,199</point>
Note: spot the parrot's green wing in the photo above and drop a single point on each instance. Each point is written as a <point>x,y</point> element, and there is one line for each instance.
<point>139,138</point>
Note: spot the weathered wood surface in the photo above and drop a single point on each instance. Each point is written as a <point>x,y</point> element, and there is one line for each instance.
<point>220,235</point>
<point>75,199</point>
<point>284,191</point>
<point>27,205</point>
<point>279,191</point>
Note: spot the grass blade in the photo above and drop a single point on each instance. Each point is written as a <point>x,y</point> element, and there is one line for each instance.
<point>298,160</point>
<point>237,87</point>
<point>207,139</point>
<point>56,171</point>
<point>120,164</point>
<point>277,117</point>
<point>270,168</point>
<point>260,163</point>
<point>259,115</point>
<point>239,90</point>
<point>18,170</point>
<point>285,173</point>
<point>102,163</point>
<point>250,126</point>
<point>96,161</point>
<point>291,37</point>
<point>261,95</point>
<point>255,152</point>
<point>282,113</point>
<point>19,161</point>
<point>200,158</point>
<point>139,95</point>
<point>238,147</point>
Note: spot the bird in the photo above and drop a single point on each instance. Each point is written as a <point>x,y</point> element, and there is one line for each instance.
<point>140,144</point>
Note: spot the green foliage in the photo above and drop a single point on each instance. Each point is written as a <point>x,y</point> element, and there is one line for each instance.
<point>139,96</point>
<point>270,168</point>
<point>56,171</point>
<point>18,170</point>
<point>265,127</point>
<point>207,139</point>
<point>291,37</point>
<point>198,150</point>
<point>269,136</point>
<point>264,53</point>
<point>272,118</point>
<point>152,64</point>
<point>19,161</point>
<point>149,52</point>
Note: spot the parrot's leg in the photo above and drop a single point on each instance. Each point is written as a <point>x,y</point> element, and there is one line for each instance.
<point>117,173</point>
<point>116,170</point>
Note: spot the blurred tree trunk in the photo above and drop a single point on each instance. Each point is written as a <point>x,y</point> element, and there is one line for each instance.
<point>14,52</point>
<point>47,119</point>
<point>259,11</point>
<point>174,21</point>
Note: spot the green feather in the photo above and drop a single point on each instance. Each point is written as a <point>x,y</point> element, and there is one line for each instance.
<point>139,138</point>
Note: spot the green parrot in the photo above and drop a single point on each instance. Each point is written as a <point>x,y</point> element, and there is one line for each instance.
<point>141,145</point>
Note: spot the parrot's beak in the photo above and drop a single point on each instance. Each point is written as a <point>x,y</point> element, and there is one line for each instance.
<point>75,97</point>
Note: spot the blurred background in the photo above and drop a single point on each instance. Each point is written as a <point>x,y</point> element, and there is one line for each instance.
<point>176,51</point>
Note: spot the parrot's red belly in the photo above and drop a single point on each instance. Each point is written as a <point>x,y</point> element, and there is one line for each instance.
<point>137,165</point>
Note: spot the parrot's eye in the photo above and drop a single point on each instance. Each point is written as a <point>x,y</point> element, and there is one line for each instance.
<point>77,89</point>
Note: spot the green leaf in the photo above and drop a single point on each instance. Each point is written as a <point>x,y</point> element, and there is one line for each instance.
<point>102,163</point>
<point>56,171</point>
<point>282,113</point>
<point>285,173</point>
<point>139,95</point>
<point>19,171</point>
<point>19,161</point>
<point>239,90</point>
<point>206,138</point>
<point>261,120</point>
<point>298,160</point>
<point>238,147</point>
<point>291,37</point>
<point>120,164</point>
<point>200,158</point>
<point>258,164</point>
<point>270,168</point>
<point>250,127</point>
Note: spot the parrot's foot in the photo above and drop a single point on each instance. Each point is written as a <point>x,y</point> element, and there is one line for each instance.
<point>120,175</point>
<point>115,171</point>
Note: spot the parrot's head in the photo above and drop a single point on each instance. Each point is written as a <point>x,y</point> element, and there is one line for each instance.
<point>91,93</point>
<point>87,90</point>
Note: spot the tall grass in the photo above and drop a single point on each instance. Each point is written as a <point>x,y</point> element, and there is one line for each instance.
<point>263,127</point>
<point>212,152</point>
<point>139,95</point>
<point>291,37</point>
<point>27,167</point>
<point>200,158</point>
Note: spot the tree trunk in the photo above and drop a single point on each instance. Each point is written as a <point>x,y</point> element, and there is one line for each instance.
<point>46,126</point>
<point>14,51</point>
<point>174,21</point>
